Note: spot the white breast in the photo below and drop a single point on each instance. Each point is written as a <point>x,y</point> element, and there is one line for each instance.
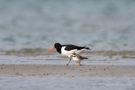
<point>75,59</point>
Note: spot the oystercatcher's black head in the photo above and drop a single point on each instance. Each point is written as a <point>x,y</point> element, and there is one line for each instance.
<point>56,45</point>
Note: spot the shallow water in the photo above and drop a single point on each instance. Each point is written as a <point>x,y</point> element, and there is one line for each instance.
<point>36,83</point>
<point>100,24</point>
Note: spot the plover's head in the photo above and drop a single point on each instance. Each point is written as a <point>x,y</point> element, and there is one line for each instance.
<point>74,55</point>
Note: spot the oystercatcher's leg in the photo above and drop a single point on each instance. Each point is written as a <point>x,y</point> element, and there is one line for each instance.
<point>69,60</point>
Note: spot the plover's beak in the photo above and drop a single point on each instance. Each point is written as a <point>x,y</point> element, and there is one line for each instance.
<point>51,49</point>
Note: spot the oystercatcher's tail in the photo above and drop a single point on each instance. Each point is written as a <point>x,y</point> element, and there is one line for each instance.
<point>87,48</point>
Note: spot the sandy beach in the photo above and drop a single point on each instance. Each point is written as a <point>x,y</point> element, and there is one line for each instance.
<point>59,77</point>
<point>66,71</point>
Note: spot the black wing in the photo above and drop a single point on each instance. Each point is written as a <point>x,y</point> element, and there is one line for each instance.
<point>71,47</point>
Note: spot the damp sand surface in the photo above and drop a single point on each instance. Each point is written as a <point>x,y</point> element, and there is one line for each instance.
<point>59,77</point>
<point>67,71</point>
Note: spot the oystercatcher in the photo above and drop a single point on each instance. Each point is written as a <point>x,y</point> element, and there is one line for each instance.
<point>68,50</point>
<point>78,58</point>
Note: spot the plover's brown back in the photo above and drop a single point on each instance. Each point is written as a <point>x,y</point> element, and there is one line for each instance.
<point>77,57</point>
<point>80,57</point>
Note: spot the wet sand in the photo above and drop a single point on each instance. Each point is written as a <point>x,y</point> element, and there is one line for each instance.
<point>66,71</point>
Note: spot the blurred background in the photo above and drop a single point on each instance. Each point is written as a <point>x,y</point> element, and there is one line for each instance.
<point>100,24</point>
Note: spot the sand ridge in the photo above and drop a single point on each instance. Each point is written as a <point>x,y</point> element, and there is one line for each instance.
<point>66,71</point>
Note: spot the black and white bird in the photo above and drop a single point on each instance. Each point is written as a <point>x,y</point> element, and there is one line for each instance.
<point>68,50</point>
<point>78,58</point>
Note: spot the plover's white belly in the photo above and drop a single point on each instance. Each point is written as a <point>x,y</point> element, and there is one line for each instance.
<point>75,59</point>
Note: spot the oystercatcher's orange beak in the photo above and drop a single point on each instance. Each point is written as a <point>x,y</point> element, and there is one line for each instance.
<point>51,49</point>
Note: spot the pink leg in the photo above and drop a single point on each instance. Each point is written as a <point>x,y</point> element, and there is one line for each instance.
<point>69,60</point>
<point>79,63</point>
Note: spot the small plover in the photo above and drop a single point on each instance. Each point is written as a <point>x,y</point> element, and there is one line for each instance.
<point>78,58</point>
